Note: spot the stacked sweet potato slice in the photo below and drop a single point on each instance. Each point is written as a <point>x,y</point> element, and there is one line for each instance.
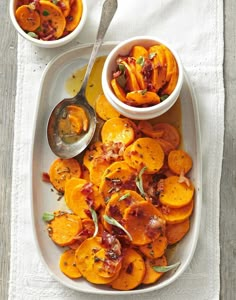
<point>48,19</point>
<point>146,76</point>
<point>128,198</point>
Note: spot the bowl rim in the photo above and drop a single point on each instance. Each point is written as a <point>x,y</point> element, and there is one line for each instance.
<point>48,44</point>
<point>141,110</point>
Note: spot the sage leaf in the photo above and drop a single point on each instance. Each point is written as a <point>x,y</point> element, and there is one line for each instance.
<point>140,61</point>
<point>139,182</point>
<point>163,269</point>
<point>95,220</point>
<point>47,217</point>
<point>164,97</point>
<point>124,196</point>
<point>113,221</point>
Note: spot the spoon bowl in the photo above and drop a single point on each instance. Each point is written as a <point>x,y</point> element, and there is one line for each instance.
<point>58,145</point>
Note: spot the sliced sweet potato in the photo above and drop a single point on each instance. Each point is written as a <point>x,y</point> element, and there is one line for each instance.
<point>67,264</point>
<point>145,152</point>
<point>177,215</point>
<point>144,222</point>
<point>176,194</point>
<point>152,276</point>
<point>132,271</point>
<point>147,128</point>
<point>95,150</point>
<point>104,266</point>
<point>83,197</point>
<point>27,18</point>
<point>170,63</point>
<point>79,112</point>
<point>51,14</point>
<point>63,169</point>
<point>170,133</point>
<point>156,248</point>
<point>159,66</point>
<point>136,68</point>
<point>85,259</point>
<point>175,232</point>
<point>120,178</point>
<point>70,185</point>
<point>64,5</point>
<point>117,205</point>
<point>118,130</point>
<point>119,92</point>
<point>170,86</point>
<point>165,145</point>
<point>142,98</point>
<point>104,109</point>
<point>97,169</point>
<point>74,16</point>
<point>179,161</point>
<point>63,228</point>
<point>132,82</point>
<point>139,51</point>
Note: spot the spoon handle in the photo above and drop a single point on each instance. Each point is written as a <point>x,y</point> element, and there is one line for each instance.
<point>108,10</point>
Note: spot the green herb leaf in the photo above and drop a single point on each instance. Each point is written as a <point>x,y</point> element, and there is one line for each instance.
<point>163,269</point>
<point>164,97</point>
<point>32,34</point>
<point>113,221</point>
<point>45,13</point>
<point>124,196</point>
<point>142,92</point>
<point>55,2</point>
<point>121,67</point>
<point>95,220</point>
<point>47,217</point>
<point>151,55</point>
<point>121,80</point>
<point>139,182</point>
<point>140,61</point>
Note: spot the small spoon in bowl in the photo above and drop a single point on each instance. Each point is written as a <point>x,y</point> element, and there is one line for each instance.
<point>58,145</point>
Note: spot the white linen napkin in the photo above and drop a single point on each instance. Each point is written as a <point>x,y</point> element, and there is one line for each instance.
<point>195,29</point>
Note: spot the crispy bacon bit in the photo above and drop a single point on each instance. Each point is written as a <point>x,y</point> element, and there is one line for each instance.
<point>147,70</point>
<point>117,74</point>
<point>160,186</point>
<point>87,189</point>
<point>114,211</point>
<point>155,226</point>
<point>45,177</point>
<point>112,243</point>
<point>130,268</point>
<point>183,179</point>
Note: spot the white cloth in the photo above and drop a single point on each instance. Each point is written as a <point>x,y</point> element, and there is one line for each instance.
<point>195,29</point>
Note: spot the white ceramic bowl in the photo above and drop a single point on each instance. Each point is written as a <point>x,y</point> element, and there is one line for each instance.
<point>48,44</point>
<point>137,113</point>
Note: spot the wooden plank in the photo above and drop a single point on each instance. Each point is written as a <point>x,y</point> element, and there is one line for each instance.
<point>228,180</point>
<point>8,69</point>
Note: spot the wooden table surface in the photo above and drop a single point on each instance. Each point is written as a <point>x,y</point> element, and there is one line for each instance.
<point>8,72</point>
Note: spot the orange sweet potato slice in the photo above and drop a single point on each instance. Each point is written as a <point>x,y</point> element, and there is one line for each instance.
<point>132,271</point>
<point>131,78</point>
<point>51,13</point>
<point>170,63</point>
<point>177,215</point>
<point>144,222</point>
<point>145,152</point>
<point>120,178</point>
<point>83,197</point>
<point>78,112</point>
<point>117,205</point>
<point>170,86</point>
<point>142,98</point>
<point>139,51</point>
<point>63,169</point>
<point>159,66</point>
<point>118,130</point>
<point>156,248</point>
<point>165,145</point>
<point>170,133</point>
<point>74,16</point>
<point>104,109</point>
<point>67,264</point>
<point>152,276</point>
<point>105,267</point>
<point>147,129</point>
<point>119,92</point>
<point>136,69</point>
<point>179,161</point>
<point>27,18</point>
<point>176,194</point>
<point>64,5</point>
<point>97,169</point>
<point>63,228</point>
<point>175,232</point>
<point>85,259</point>
<point>70,185</point>
<point>95,150</point>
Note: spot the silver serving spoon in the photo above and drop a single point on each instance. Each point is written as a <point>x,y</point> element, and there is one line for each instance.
<point>56,142</point>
